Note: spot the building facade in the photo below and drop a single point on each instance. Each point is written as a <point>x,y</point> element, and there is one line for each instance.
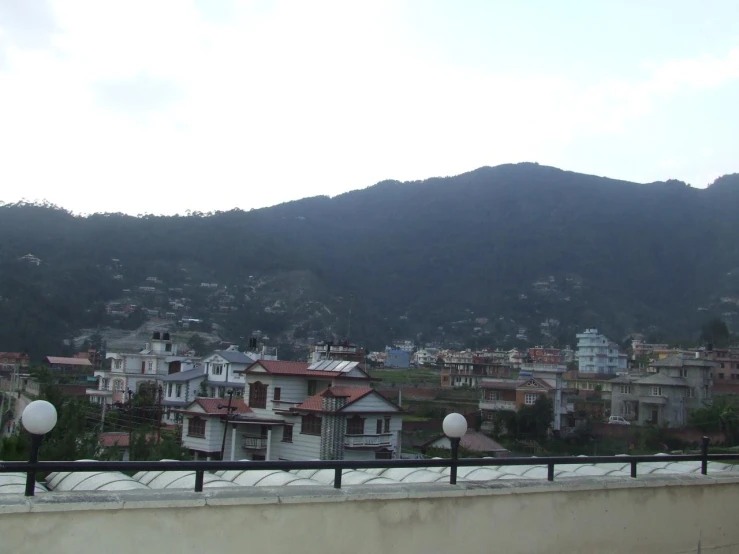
<point>665,394</point>
<point>597,354</point>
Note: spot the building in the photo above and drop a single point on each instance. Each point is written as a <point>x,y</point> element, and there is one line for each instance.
<point>205,421</point>
<point>129,371</point>
<point>179,390</point>
<point>665,394</point>
<point>726,370</point>
<point>510,395</point>
<point>397,359</point>
<point>539,354</point>
<point>596,354</point>
<point>224,370</point>
<point>324,410</point>
<point>426,356</point>
<point>467,369</point>
<point>58,364</point>
<point>95,357</point>
<point>13,368</point>
<point>328,350</point>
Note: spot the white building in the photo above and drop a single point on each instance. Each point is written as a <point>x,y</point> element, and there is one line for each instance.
<point>301,411</point>
<point>129,371</point>
<point>426,356</point>
<point>596,354</point>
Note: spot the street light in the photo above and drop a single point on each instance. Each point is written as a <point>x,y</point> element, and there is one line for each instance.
<point>38,418</point>
<point>455,426</point>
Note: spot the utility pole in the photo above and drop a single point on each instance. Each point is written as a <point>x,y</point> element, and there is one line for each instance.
<point>102,417</point>
<point>159,415</point>
<point>130,427</point>
<point>228,417</point>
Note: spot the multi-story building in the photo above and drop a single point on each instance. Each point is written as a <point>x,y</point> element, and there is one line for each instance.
<point>539,354</point>
<point>301,411</point>
<point>179,390</point>
<point>510,395</point>
<point>467,369</point>
<point>13,366</point>
<point>129,371</point>
<point>398,359</point>
<point>345,351</point>
<point>596,354</point>
<point>666,393</point>
<point>726,370</point>
<point>426,356</point>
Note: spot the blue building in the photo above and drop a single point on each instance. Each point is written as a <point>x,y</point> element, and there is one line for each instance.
<point>399,359</point>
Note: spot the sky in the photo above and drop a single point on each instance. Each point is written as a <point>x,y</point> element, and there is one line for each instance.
<point>165,106</point>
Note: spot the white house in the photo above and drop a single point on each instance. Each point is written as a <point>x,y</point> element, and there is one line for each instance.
<point>325,410</point>
<point>179,391</point>
<point>224,369</point>
<point>204,423</point>
<point>129,371</point>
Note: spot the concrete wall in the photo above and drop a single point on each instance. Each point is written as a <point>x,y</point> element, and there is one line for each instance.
<point>662,514</point>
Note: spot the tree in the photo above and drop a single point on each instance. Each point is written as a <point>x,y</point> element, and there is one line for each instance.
<point>534,421</point>
<point>715,332</point>
<point>722,415</point>
<point>197,343</point>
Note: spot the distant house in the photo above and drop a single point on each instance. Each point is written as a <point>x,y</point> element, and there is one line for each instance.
<point>30,259</point>
<point>473,441</point>
<point>58,363</point>
<point>597,354</point>
<point>398,359</point>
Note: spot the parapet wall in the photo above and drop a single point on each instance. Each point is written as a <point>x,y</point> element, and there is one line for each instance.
<point>651,514</point>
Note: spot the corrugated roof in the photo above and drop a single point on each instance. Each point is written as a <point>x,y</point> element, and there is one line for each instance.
<point>234,356</point>
<point>210,405</point>
<point>278,367</point>
<point>315,402</point>
<point>188,375</point>
<point>57,360</point>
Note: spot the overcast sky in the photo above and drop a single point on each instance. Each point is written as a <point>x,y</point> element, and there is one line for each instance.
<point>164,106</point>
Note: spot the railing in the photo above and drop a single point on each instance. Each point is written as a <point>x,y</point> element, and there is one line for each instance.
<point>254,443</point>
<point>200,467</point>
<point>353,441</point>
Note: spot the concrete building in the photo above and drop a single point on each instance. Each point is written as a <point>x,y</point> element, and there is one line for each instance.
<point>597,354</point>
<point>204,422</point>
<point>426,356</point>
<point>328,350</point>
<point>510,395</point>
<point>397,359</point>
<point>666,394</point>
<point>129,371</point>
<point>296,417</point>
<point>179,390</point>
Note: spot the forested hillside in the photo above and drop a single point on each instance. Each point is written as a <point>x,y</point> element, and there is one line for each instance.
<point>474,258</point>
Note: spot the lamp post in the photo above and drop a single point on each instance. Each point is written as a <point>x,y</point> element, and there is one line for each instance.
<point>38,418</point>
<point>455,426</point>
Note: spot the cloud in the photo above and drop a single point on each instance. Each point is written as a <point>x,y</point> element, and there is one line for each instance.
<point>26,24</point>
<point>141,94</point>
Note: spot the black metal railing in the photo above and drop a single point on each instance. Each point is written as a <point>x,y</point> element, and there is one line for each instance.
<point>338,466</point>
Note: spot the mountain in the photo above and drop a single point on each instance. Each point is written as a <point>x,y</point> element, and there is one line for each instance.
<point>476,258</point>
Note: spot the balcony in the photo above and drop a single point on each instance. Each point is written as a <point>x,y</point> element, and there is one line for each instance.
<point>498,405</point>
<point>98,392</point>
<point>368,441</point>
<point>649,399</point>
<point>254,443</point>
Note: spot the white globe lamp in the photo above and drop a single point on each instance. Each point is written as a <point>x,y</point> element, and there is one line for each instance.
<point>39,417</point>
<point>455,426</point>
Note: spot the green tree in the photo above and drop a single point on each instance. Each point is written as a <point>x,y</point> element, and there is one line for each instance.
<point>534,421</point>
<point>715,332</point>
<point>722,415</point>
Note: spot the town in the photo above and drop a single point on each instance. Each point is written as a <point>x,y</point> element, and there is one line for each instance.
<point>345,403</point>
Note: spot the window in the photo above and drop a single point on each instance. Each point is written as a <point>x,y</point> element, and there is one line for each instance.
<point>118,385</point>
<point>312,387</point>
<point>117,364</point>
<point>690,393</point>
<point>277,394</point>
<point>355,426</point>
<point>530,399</point>
<point>722,365</point>
<point>684,372</point>
<point>720,375</point>
<point>379,427</point>
<point>257,395</point>
<point>221,392</point>
<point>151,366</point>
<point>310,425</point>
<point>169,389</point>
<point>105,384</point>
<point>196,427</point>
<point>216,369</point>
<point>656,391</point>
<point>178,391</point>
<point>168,347</point>
<point>625,389</point>
<point>387,424</point>
<point>287,433</point>
<point>492,395</point>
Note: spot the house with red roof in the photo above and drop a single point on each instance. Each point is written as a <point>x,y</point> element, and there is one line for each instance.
<point>309,411</point>
<point>204,422</point>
